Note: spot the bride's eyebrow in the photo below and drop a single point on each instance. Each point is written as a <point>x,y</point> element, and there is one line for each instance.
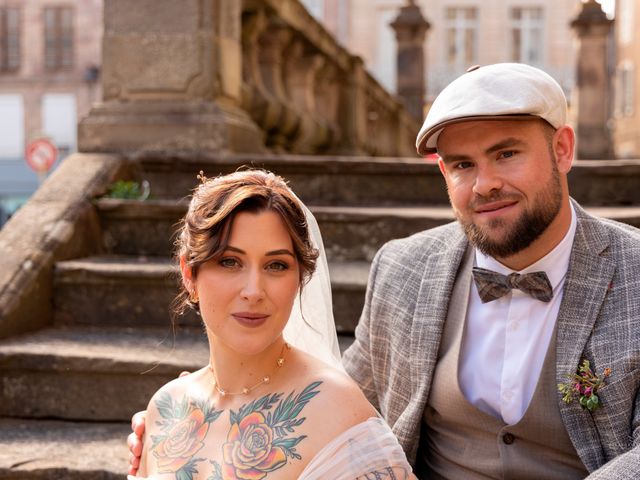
<point>282,251</point>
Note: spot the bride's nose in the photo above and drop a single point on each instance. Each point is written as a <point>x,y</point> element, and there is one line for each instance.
<point>253,289</point>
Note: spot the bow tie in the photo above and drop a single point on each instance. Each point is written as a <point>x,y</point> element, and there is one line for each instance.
<point>493,285</point>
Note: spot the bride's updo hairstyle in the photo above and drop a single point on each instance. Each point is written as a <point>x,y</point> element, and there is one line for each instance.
<point>204,232</point>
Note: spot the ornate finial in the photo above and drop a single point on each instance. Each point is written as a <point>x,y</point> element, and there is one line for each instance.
<point>201,177</point>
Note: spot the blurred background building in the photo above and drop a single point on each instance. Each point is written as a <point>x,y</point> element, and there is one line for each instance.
<point>50,53</point>
<point>49,76</point>
<point>626,112</point>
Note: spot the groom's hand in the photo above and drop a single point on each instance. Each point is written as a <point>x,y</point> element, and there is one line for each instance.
<point>134,440</point>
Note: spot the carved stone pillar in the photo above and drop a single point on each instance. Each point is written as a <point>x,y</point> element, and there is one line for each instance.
<point>593,84</point>
<point>352,110</point>
<point>172,74</point>
<point>411,27</point>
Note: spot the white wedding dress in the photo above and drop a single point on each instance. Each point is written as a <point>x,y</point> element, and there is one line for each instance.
<point>368,450</point>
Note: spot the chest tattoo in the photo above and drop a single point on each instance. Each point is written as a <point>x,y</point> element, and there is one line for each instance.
<point>261,437</point>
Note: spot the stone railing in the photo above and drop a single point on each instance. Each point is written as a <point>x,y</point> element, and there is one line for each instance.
<point>309,93</point>
<point>226,75</point>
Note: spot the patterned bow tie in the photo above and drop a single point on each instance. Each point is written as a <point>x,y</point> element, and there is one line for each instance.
<point>493,285</point>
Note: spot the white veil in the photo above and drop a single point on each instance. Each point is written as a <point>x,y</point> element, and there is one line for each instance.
<point>311,326</point>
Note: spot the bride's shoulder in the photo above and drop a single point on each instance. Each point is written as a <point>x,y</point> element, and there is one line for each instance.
<point>340,401</point>
<point>185,389</point>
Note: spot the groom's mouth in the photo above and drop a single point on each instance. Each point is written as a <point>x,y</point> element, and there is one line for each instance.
<point>493,208</point>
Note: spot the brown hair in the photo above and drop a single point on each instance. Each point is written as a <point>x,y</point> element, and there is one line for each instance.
<point>204,232</point>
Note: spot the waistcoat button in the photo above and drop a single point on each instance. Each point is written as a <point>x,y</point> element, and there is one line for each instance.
<point>508,438</point>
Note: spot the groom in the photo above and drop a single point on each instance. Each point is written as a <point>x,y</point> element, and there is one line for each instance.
<point>468,329</point>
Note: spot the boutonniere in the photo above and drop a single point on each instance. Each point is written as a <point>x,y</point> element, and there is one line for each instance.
<point>584,385</point>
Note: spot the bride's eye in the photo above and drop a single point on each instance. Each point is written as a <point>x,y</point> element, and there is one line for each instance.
<point>278,266</point>
<point>228,262</point>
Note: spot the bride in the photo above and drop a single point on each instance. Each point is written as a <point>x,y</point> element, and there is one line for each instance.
<point>273,402</point>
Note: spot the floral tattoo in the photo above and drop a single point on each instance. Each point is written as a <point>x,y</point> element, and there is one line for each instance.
<point>184,426</point>
<point>262,436</point>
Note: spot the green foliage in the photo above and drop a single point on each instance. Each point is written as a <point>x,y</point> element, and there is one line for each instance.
<point>208,410</point>
<point>291,407</point>
<point>217,471</point>
<point>584,385</point>
<point>288,445</point>
<point>189,470</point>
<point>129,190</point>
<point>263,403</point>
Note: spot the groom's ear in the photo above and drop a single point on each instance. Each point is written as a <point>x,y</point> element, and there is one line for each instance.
<point>443,170</point>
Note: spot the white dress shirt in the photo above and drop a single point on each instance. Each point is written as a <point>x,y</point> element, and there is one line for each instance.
<point>505,341</point>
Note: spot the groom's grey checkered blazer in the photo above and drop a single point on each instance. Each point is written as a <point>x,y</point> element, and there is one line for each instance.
<point>409,289</point>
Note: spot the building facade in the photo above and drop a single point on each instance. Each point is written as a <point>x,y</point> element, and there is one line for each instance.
<point>50,53</point>
<point>335,15</point>
<point>470,32</point>
<point>626,110</point>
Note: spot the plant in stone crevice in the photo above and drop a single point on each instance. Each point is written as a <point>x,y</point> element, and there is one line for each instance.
<point>129,190</point>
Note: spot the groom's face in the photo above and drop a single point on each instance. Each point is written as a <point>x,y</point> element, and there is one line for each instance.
<point>503,182</point>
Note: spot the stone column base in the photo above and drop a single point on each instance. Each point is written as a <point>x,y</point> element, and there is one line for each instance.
<point>151,127</point>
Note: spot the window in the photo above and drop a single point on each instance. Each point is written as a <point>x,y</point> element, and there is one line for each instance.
<point>9,39</point>
<point>625,92</point>
<point>315,8</point>
<point>527,38</point>
<point>58,38</point>
<point>11,127</point>
<point>625,21</point>
<point>59,120</point>
<point>461,30</point>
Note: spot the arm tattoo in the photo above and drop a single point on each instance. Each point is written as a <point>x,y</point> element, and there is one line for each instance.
<point>262,435</point>
<point>183,426</point>
<point>389,473</point>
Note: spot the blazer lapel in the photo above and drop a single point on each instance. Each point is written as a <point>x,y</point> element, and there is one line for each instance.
<point>585,288</point>
<point>440,273</point>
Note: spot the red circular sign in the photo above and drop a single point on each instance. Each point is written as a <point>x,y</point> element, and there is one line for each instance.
<point>41,155</point>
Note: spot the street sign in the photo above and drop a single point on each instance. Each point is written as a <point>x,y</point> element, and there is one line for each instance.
<point>41,154</point>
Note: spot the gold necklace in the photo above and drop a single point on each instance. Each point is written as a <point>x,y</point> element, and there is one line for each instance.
<point>246,390</point>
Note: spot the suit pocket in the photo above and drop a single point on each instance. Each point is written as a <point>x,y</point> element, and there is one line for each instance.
<point>615,418</point>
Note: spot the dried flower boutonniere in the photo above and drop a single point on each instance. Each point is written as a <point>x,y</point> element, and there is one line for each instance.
<point>584,385</point>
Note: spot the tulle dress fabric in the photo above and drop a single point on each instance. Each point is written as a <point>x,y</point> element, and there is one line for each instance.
<point>363,449</point>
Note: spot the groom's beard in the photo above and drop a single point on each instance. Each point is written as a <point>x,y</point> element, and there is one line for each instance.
<point>525,229</point>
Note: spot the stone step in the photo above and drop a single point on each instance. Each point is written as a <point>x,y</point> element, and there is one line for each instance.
<point>137,292</point>
<point>350,233</point>
<point>54,450</point>
<point>316,180</point>
<point>92,373</point>
<point>366,181</point>
<point>95,373</point>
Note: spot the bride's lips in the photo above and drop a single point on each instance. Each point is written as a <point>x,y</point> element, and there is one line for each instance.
<point>250,319</point>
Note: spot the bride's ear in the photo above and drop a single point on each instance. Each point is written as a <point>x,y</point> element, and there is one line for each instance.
<point>187,274</point>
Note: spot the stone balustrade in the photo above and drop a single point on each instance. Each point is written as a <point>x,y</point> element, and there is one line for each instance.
<point>225,75</point>
<point>309,94</point>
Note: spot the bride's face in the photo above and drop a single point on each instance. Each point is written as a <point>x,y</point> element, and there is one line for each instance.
<point>247,294</point>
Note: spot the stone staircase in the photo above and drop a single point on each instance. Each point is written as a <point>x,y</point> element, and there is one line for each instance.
<point>68,390</point>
